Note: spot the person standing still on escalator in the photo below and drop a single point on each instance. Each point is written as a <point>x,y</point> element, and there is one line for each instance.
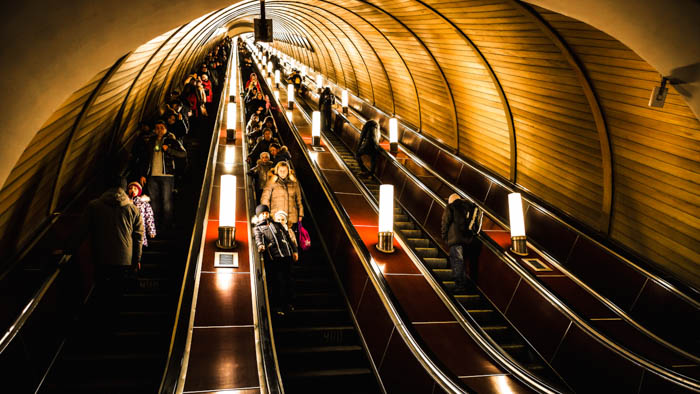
<point>369,146</point>
<point>460,239</point>
<point>325,103</point>
<point>275,243</point>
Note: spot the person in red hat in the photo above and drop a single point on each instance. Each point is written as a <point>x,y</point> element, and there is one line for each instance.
<point>142,202</point>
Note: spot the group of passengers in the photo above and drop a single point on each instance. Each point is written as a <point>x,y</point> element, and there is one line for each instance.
<point>280,211</point>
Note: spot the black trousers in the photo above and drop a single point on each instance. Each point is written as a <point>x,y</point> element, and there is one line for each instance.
<point>280,283</point>
<point>370,151</point>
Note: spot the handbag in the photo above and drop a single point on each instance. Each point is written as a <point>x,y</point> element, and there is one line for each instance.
<point>304,238</point>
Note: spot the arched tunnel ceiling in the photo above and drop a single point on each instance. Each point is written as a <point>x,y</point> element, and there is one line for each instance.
<point>538,98</point>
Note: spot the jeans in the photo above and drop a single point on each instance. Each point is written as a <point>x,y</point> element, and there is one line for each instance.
<point>161,189</point>
<point>457,263</point>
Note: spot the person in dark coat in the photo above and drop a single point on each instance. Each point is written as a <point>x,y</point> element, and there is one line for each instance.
<point>113,226</point>
<point>369,145</point>
<point>280,253</point>
<point>325,103</point>
<point>262,144</point>
<point>279,153</point>
<point>455,232</point>
<point>157,171</point>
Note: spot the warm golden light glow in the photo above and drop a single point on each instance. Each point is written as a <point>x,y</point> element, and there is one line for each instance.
<point>316,124</point>
<point>224,279</point>
<point>319,81</point>
<point>229,157</point>
<point>290,93</point>
<point>393,130</point>
<point>344,98</point>
<point>517,222</point>
<point>227,201</point>
<point>386,208</point>
<point>231,116</point>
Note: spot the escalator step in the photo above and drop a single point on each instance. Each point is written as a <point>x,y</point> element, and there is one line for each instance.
<point>419,242</point>
<point>401,218</point>
<point>330,372</point>
<point>427,252</point>
<point>409,233</point>
<point>436,262</point>
<point>319,349</point>
<point>443,274</point>
<point>404,225</point>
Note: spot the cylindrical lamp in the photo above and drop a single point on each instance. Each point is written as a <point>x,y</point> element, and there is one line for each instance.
<point>517,224</point>
<point>269,81</point>
<point>264,59</point>
<point>303,71</point>
<point>277,78</point>
<point>227,213</point>
<point>231,122</point>
<point>319,83</point>
<point>229,157</point>
<point>277,96</point>
<point>393,135</point>
<point>345,100</point>
<point>269,67</point>
<point>290,96</point>
<point>316,128</point>
<point>290,115</point>
<point>232,85</point>
<point>385,234</point>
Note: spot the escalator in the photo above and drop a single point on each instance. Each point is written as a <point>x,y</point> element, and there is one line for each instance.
<point>318,346</point>
<point>475,304</point>
<point>120,340</point>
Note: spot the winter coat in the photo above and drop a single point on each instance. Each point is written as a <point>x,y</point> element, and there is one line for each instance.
<point>261,171</point>
<point>454,223</point>
<point>142,202</point>
<point>207,89</point>
<point>175,150</point>
<point>261,145</point>
<point>282,155</point>
<point>326,101</point>
<point>274,237</point>
<point>369,138</point>
<point>115,227</point>
<point>283,195</point>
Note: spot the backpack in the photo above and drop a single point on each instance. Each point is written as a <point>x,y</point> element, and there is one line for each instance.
<point>474,219</point>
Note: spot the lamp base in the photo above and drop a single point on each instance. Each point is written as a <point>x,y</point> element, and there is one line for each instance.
<point>232,98</point>
<point>385,242</point>
<point>519,245</point>
<point>345,110</point>
<point>394,147</point>
<point>227,237</point>
<point>230,135</point>
<point>290,105</point>
<point>316,140</point>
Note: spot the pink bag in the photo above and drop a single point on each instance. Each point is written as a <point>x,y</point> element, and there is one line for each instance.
<point>304,239</point>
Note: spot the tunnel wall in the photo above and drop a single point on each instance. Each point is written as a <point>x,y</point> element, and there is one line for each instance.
<point>539,99</point>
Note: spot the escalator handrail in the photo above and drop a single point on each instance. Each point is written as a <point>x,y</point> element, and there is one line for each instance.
<point>181,333</point>
<point>553,299</point>
<point>32,304</point>
<point>375,276</point>
<point>652,276</point>
<point>466,321</point>
<point>268,361</point>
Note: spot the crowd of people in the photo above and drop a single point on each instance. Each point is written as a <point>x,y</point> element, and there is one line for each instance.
<point>123,219</point>
<point>278,217</point>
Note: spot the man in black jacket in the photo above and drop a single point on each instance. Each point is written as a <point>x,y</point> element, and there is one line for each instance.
<point>459,239</point>
<point>280,252</point>
<point>369,145</point>
<point>158,170</point>
<point>325,104</point>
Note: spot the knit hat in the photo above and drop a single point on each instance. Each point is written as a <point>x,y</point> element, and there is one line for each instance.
<point>261,208</point>
<point>138,186</point>
<point>283,213</point>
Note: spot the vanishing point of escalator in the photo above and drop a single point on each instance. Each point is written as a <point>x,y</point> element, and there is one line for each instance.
<point>476,305</point>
